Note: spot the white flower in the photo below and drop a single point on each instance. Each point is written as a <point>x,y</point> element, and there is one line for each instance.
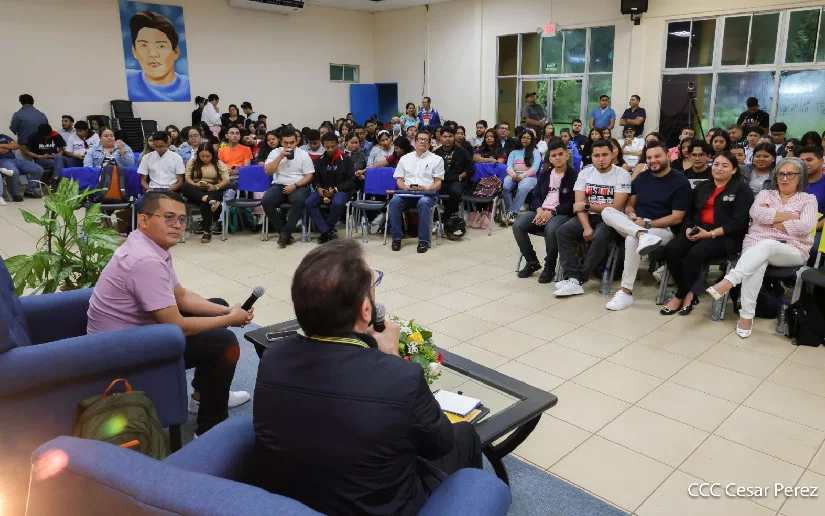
<point>435,369</point>
<point>412,348</point>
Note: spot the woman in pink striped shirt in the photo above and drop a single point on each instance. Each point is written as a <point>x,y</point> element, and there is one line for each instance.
<point>784,218</point>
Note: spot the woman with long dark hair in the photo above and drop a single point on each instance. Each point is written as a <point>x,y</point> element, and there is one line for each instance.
<point>206,179</point>
<point>175,139</point>
<point>594,135</point>
<point>270,143</point>
<point>233,118</point>
<point>522,165</point>
<point>759,174</point>
<point>490,150</point>
<point>719,142</point>
<point>410,117</point>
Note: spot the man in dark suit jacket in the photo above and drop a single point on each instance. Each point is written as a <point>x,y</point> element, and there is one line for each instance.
<point>507,142</point>
<point>341,422</point>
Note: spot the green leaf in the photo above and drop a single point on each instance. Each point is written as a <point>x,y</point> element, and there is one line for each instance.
<point>423,362</point>
<point>32,219</point>
<point>426,334</point>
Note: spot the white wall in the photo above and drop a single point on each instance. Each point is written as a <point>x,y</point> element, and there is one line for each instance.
<point>68,55</point>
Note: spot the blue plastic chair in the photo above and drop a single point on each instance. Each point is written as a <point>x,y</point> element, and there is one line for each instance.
<point>482,170</point>
<point>377,181</point>
<point>250,179</point>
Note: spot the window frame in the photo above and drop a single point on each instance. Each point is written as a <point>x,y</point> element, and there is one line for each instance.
<point>356,70</point>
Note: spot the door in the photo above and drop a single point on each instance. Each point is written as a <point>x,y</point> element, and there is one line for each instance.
<point>387,101</point>
<point>363,101</point>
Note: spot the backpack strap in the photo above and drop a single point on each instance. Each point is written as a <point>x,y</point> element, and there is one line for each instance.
<point>128,386</point>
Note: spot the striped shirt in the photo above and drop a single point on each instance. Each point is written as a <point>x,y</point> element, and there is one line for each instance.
<point>800,232</point>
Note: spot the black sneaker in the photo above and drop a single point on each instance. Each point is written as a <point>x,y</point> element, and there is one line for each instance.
<point>326,237</point>
<point>396,245</point>
<point>547,274</point>
<point>32,195</point>
<point>529,269</point>
<point>285,240</point>
<point>199,228</point>
<point>217,227</point>
<point>17,198</point>
<point>206,238</point>
<point>423,247</point>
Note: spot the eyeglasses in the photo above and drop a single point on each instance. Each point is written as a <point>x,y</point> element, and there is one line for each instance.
<point>423,140</point>
<point>171,219</point>
<point>379,275</point>
<point>786,175</point>
<point>698,155</point>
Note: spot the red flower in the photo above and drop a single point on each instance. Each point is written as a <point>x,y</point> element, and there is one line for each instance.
<point>440,358</point>
<point>407,358</point>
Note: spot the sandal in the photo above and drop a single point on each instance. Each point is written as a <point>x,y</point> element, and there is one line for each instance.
<point>714,294</point>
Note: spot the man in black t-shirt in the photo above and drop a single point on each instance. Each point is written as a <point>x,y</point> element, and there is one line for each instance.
<point>44,147</point>
<point>700,151</point>
<point>754,115</point>
<point>458,167</point>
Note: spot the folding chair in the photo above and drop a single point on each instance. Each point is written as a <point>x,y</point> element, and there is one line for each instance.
<point>376,182</point>
<point>482,170</point>
<point>814,275</point>
<point>250,179</point>
<point>435,216</point>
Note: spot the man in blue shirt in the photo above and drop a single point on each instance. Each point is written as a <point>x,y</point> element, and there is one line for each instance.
<point>155,46</point>
<point>603,116</point>
<point>12,166</point>
<point>27,119</point>
<point>428,116</point>
<point>812,156</point>
<point>634,116</point>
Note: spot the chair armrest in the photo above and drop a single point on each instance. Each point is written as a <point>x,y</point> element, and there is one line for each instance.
<point>469,492</point>
<point>56,316</point>
<point>225,451</point>
<point>38,366</point>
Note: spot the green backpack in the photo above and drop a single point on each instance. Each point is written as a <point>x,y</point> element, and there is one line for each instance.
<point>126,419</point>
<point>240,219</point>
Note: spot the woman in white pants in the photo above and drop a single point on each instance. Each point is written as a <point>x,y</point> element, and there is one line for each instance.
<point>784,218</point>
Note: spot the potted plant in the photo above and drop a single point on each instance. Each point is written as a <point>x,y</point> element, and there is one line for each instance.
<point>72,254</point>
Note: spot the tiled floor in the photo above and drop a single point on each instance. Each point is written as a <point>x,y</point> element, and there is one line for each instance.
<point>647,404</point>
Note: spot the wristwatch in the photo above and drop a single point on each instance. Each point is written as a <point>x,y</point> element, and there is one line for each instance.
<point>586,207</point>
<point>553,212</point>
<point>647,223</point>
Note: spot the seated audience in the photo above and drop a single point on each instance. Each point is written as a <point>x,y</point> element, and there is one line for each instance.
<point>811,139</point>
<point>458,170</point>
<point>397,128</point>
<point>148,146</point>
<point>175,137</point>
<point>552,206</point>
<point>313,146</point>
<point>758,175</point>
<point>548,132</point>
<point>617,157</point>
<point>411,132</point>
<point>714,230</point>
<point>161,169</point>
<point>720,141</point>
<point>366,145</point>
<point>812,157</point>
<point>683,161</point>
<point>248,112</point>
<point>45,148</point>
<point>461,141</point>
<point>382,150</point>
<point>778,132</point>
<point>234,154</point>
<point>632,146</point>
<point>352,148</point>
<point>699,153</point>
<point>369,132</point>
<point>659,199</point>
<point>490,151</point>
<point>233,118</point>
<point>193,140</point>
<point>97,124</point>
<point>752,135</point>
<point>79,143</point>
<point>607,134</point>
<point>206,179</point>
<point>377,462</point>
<point>66,127</point>
<point>522,164</point>
<point>334,183</point>
<point>506,142</point>
<point>270,143</point>
<point>481,129</point>
<point>401,147</point>
<point>576,133</point>
<point>787,149</point>
<point>641,166</point>
<point>594,135</point>
<point>674,153</point>
<point>208,136</point>
<point>15,166</point>
<point>736,134</point>
<point>601,186</point>
<point>418,178</point>
<point>109,151</point>
<point>139,287</point>
<point>567,137</point>
<point>783,219</point>
<point>291,169</point>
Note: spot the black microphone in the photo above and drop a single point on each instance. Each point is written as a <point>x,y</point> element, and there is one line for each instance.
<point>380,313</point>
<point>257,293</point>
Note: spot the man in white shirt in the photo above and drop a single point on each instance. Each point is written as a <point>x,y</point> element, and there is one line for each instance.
<point>418,178</point>
<point>291,169</point>
<point>211,115</point>
<point>161,169</point>
<point>66,127</point>
<point>632,146</point>
<point>78,143</point>
<point>601,186</point>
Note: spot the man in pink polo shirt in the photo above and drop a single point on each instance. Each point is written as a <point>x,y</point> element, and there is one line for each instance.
<point>139,287</point>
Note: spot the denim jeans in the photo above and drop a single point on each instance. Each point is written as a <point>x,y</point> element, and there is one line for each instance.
<point>19,166</point>
<point>423,204</point>
<point>524,226</point>
<point>570,233</point>
<point>513,203</point>
<point>272,201</point>
<point>336,209</point>
<point>55,165</point>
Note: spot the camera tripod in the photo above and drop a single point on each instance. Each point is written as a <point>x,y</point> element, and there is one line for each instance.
<point>693,115</point>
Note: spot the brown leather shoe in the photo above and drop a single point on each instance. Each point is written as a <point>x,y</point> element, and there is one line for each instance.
<point>285,240</point>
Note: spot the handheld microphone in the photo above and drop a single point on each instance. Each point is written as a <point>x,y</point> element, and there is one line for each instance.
<point>380,314</point>
<point>257,293</point>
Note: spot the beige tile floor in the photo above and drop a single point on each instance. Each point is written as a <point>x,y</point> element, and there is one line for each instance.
<point>647,404</point>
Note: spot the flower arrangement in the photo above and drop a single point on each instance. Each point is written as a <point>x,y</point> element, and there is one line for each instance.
<point>415,344</point>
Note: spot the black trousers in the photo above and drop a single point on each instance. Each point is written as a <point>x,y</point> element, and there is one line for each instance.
<point>455,189</point>
<point>466,453</point>
<point>685,259</point>
<point>274,198</point>
<point>195,195</point>
<point>213,354</point>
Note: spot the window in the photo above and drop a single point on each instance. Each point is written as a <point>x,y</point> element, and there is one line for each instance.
<point>568,71</point>
<point>343,73</point>
<point>777,57</point>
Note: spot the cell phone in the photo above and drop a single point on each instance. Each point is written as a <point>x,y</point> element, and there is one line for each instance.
<point>290,154</point>
<point>694,231</point>
<point>275,335</point>
<point>413,186</point>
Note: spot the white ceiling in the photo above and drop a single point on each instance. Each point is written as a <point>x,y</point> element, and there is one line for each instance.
<point>368,5</point>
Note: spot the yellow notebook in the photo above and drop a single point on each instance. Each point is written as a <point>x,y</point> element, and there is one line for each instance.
<point>455,418</point>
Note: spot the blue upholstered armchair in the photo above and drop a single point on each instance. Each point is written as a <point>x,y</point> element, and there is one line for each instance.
<point>205,478</point>
<point>48,365</point>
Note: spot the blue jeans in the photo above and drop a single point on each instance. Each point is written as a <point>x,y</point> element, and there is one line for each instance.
<point>337,207</point>
<point>513,203</point>
<point>19,166</point>
<point>55,164</point>
<point>524,226</point>
<point>423,204</point>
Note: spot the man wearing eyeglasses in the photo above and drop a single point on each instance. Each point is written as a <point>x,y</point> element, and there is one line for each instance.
<point>700,151</point>
<point>418,177</point>
<point>161,169</point>
<point>139,287</point>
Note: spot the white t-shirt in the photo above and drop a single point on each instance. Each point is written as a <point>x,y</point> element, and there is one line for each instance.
<point>76,145</point>
<point>636,145</point>
<point>290,171</point>
<point>378,154</point>
<point>210,115</point>
<point>602,188</point>
<point>163,171</point>
<point>420,170</point>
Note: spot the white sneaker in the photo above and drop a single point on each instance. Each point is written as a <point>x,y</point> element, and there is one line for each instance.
<point>6,172</point>
<point>647,243</point>
<point>569,287</point>
<point>235,398</point>
<point>2,202</point>
<point>620,301</point>
<point>658,273</point>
